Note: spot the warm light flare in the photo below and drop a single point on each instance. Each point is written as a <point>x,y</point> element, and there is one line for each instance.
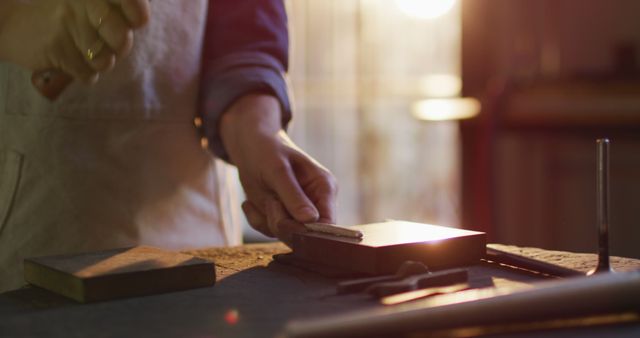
<point>425,9</point>
<point>446,109</point>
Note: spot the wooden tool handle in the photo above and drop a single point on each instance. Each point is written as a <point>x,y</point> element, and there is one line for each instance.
<point>50,83</point>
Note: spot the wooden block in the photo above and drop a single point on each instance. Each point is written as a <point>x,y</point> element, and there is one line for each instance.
<point>118,273</point>
<point>385,246</point>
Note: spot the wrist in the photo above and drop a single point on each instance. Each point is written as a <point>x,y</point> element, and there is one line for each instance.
<point>250,116</point>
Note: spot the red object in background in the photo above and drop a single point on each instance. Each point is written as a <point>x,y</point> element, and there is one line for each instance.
<point>231,317</point>
<point>50,83</point>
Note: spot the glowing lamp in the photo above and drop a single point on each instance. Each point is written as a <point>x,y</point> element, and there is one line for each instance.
<point>446,109</point>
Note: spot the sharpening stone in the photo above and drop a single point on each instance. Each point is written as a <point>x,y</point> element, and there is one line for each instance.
<point>118,273</point>
<point>385,246</point>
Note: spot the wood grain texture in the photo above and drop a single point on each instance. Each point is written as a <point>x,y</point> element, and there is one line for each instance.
<point>118,273</point>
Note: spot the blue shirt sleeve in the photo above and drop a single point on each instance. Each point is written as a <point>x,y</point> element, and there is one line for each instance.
<point>246,50</point>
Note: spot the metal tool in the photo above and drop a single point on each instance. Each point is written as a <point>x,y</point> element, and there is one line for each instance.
<point>407,269</point>
<point>423,293</point>
<point>335,230</point>
<point>602,207</point>
<point>425,280</point>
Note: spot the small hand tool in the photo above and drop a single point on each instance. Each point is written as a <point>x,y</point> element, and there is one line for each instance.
<point>407,269</point>
<point>423,293</point>
<point>602,206</point>
<point>426,280</point>
<point>335,230</point>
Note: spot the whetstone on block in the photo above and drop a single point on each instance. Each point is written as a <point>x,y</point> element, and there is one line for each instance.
<point>385,246</point>
<point>118,273</point>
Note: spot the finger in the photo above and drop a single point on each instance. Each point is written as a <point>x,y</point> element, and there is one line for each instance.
<point>284,182</point>
<point>98,55</point>
<point>280,223</point>
<point>135,11</point>
<point>289,227</point>
<point>72,61</point>
<point>104,62</point>
<point>97,12</point>
<point>326,200</point>
<point>327,208</point>
<point>275,213</point>
<point>256,219</point>
<point>319,185</point>
<point>111,26</point>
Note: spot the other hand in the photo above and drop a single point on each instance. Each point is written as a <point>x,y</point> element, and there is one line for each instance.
<point>81,38</point>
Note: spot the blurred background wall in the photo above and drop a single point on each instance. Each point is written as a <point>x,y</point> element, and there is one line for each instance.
<point>552,75</point>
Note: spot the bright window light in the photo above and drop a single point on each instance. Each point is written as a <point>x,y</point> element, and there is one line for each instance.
<point>425,9</point>
<point>446,109</point>
<point>440,85</point>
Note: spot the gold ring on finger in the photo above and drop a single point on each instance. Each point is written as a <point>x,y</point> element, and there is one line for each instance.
<point>94,50</point>
<point>102,18</point>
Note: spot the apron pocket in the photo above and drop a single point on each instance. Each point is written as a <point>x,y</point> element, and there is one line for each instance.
<point>10,167</point>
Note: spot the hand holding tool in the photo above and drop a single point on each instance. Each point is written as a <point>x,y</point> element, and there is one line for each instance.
<point>95,34</point>
<point>335,230</point>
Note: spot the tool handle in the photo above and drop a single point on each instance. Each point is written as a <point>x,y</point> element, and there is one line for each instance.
<point>51,82</point>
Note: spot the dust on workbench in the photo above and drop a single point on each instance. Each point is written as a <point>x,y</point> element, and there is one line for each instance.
<point>578,261</point>
<point>230,260</point>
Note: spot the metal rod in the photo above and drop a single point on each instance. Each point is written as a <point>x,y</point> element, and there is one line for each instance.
<point>602,207</point>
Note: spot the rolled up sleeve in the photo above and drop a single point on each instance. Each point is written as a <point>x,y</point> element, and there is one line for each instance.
<point>245,51</point>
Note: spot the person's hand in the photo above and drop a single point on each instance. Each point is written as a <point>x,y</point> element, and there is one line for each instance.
<point>81,38</point>
<point>274,170</point>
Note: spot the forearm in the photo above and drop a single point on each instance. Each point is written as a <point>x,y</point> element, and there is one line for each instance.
<point>246,51</point>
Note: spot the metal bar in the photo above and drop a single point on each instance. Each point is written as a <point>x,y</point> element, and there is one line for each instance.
<point>602,207</point>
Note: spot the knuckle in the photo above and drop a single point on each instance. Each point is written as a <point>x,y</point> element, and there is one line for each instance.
<point>331,183</point>
<point>278,169</point>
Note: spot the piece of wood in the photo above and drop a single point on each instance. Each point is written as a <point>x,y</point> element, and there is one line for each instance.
<point>385,246</point>
<point>118,273</point>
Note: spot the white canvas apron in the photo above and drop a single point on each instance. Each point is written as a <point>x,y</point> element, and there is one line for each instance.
<point>115,164</point>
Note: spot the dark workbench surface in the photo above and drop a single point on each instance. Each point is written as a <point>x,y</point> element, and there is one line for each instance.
<point>253,297</point>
